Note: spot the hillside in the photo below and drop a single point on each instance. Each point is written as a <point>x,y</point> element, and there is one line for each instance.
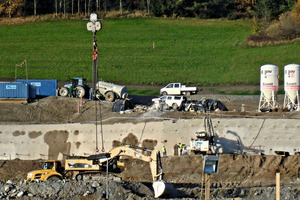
<point>141,51</point>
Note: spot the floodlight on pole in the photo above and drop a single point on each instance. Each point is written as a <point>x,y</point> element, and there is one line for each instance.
<point>93,17</point>
<point>94,26</point>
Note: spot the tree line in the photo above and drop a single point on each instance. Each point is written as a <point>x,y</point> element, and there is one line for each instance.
<point>204,9</point>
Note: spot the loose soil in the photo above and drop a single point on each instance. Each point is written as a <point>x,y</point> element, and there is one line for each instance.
<point>234,171</point>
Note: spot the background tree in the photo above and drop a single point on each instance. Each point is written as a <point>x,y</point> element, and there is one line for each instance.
<point>232,9</point>
<point>35,6</point>
<point>10,7</point>
<point>148,6</point>
<point>296,12</point>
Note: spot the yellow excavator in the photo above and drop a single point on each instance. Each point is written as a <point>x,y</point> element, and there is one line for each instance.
<point>110,161</point>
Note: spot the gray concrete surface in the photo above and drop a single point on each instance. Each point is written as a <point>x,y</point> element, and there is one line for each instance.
<point>238,135</point>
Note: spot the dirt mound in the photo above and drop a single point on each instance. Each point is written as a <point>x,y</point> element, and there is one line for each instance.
<point>185,172</point>
<point>239,175</point>
<point>239,170</point>
<point>72,110</point>
<point>16,170</point>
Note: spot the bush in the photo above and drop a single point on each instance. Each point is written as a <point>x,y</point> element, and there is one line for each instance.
<point>286,28</point>
<point>125,14</point>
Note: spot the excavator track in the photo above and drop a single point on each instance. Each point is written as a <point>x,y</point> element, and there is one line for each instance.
<point>97,175</point>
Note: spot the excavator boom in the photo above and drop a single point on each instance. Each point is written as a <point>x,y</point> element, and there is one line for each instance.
<point>160,187</point>
<point>134,152</point>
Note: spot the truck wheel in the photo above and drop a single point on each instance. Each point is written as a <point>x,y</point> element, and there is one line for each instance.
<point>164,93</point>
<point>63,92</point>
<point>110,96</point>
<point>80,92</point>
<point>79,177</point>
<point>53,179</point>
<point>188,93</point>
<point>175,106</point>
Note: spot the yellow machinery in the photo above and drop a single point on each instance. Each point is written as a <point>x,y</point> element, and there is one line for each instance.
<point>53,170</point>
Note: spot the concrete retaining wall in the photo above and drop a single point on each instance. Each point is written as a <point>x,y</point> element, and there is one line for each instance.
<point>244,135</point>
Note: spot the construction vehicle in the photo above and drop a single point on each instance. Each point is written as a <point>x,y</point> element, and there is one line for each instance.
<point>111,91</point>
<point>104,90</point>
<point>204,142</point>
<point>178,89</point>
<point>174,102</point>
<point>77,88</point>
<point>110,161</point>
<point>51,170</point>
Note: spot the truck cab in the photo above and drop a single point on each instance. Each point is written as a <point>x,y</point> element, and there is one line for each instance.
<point>51,170</point>
<point>172,88</point>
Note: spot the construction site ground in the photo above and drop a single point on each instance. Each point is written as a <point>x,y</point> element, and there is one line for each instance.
<point>185,172</point>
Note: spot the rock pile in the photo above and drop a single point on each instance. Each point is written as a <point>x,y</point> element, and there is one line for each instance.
<point>71,189</point>
<point>90,189</point>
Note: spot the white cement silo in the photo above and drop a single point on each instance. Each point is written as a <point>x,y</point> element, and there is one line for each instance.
<point>291,86</point>
<point>268,87</point>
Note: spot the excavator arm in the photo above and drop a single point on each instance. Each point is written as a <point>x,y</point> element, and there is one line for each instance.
<point>154,159</point>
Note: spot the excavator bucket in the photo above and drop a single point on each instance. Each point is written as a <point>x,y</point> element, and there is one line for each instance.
<point>162,188</point>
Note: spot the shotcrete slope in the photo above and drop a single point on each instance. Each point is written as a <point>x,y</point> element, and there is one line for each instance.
<point>240,175</point>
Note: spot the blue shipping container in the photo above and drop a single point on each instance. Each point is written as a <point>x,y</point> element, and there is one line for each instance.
<point>41,87</point>
<point>14,90</point>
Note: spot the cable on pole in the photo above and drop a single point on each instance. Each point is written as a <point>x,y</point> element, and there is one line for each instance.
<point>96,123</point>
<point>101,128</point>
<point>94,25</point>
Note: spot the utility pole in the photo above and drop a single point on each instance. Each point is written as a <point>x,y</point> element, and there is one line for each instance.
<point>94,26</point>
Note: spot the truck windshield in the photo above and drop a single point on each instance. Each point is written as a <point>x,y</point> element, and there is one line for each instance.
<point>170,86</point>
<point>47,165</point>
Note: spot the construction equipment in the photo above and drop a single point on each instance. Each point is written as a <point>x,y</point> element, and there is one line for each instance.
<point>110,161</point>
<point>77,88</point>
<point>111,91</point>
<point>204,142</point>
<point>174,102</point>
<point>178,89</point>
<point>51,170</point>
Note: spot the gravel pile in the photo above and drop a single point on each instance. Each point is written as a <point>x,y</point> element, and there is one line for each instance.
<point>90,189</point>
<point>71,189</point>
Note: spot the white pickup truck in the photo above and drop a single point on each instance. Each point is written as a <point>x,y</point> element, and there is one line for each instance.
<point>178,89</point>
<point>174,102</point>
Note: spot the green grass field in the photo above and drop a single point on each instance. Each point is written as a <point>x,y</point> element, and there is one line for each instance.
<point>191,51</point>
